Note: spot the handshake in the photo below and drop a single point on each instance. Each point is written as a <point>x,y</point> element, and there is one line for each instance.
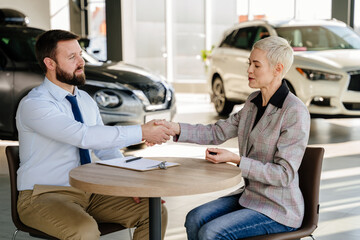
<point>159,131</point>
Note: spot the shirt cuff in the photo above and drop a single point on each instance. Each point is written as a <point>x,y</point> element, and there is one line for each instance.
<point>133,134</point>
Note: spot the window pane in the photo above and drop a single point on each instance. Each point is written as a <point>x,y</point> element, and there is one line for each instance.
<point>150,44</point>
<point>188,39</point>
<point>97,29</point>
<point>220,21</point>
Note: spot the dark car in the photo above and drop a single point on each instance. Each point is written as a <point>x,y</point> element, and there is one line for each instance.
<point>126,94</point>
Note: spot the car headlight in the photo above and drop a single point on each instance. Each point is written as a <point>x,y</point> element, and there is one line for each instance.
<point>140,94</point>
<point>318,75</point>
<point>107,99</point>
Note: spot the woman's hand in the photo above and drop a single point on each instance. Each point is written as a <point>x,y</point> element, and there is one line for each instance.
<point>217,155</point>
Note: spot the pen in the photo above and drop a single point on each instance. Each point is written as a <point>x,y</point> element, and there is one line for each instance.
<point>132,159</point>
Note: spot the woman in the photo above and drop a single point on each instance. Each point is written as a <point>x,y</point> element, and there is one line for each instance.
<point>273,131</point>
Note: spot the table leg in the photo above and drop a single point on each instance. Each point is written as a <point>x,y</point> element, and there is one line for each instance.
<point>155,218</point>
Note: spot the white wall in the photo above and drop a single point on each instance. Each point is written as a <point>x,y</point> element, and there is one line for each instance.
<point>38,11</point>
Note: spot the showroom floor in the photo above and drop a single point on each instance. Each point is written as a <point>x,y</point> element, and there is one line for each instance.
<point>340,182</point>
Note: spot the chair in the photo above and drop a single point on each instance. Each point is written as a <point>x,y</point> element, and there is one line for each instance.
<point>309,181</point>
<point>12,154</point>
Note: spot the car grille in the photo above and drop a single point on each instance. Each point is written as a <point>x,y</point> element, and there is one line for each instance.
<point>354,84</point>
<point>155,92</point>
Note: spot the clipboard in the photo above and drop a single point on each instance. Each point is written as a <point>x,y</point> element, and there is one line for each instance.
<point>142,164</point>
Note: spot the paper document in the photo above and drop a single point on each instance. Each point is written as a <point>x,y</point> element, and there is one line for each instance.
<point>142,164</point>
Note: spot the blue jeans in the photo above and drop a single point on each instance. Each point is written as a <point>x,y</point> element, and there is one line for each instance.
<point>225,219</point>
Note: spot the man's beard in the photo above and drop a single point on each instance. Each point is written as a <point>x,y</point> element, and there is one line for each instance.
<point>64,77</point>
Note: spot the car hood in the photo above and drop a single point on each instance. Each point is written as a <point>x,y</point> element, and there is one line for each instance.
<point>346,59</point>
<point>156,89</point>
<point>120,72</point>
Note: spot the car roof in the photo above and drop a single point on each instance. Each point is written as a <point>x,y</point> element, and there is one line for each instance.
<point>17,28</point>
<point>288,23</point>
<point>318,22</point>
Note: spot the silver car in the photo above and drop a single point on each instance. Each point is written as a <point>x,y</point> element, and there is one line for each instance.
<point>325,74</point>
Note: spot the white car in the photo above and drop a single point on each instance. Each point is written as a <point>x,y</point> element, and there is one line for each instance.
<point>325,74</point>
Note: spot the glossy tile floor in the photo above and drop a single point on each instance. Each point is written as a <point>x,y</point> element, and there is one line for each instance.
<point>339,190</point>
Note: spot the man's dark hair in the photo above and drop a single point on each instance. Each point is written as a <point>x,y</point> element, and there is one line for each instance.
<point>47,42</point>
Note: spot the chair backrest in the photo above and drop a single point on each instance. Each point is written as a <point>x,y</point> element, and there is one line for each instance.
<point>13,159</point>
<point>309,180</point>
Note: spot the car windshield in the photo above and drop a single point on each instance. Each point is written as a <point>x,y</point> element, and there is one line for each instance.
<point>19,45</point>
<point>89,58</point>
<point>317,38</point>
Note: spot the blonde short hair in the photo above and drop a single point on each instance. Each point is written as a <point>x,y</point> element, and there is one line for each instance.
<point>278,51</point>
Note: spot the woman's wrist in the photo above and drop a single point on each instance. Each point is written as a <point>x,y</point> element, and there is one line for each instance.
<point>176,127</point>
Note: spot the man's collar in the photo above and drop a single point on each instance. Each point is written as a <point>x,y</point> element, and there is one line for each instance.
<point>277,99</point>
<point>57,92</point>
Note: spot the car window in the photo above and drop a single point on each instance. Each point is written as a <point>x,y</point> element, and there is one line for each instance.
<point>244,38</point>
<point>260,33</point>
<point>229,39</point>
<point>344,37</point>
<point>316,38</point>
<point>19,45</point>
<point>3,60</point>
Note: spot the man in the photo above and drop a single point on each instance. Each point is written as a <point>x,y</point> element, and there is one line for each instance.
<point>57,124</point>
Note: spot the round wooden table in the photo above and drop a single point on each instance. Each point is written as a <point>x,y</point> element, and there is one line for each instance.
<point>193,176</point>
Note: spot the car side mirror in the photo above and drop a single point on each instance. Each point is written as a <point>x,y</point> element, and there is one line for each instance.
<point>84,42</point>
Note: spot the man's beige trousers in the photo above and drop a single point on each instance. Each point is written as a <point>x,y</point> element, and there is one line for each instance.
<point>71,214</point>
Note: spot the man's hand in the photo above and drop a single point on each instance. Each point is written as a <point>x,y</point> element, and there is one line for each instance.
<point>157,133</point>
<point>173,125</point>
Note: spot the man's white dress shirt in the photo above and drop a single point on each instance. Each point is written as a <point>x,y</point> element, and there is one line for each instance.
<point>50,137</point>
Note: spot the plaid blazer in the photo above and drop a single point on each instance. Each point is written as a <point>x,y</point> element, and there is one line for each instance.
<point>271,155</point>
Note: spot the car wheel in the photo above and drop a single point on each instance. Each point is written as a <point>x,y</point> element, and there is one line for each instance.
<point>223,106</point>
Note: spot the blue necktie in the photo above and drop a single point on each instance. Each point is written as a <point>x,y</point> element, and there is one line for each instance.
<point>84,153</point>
